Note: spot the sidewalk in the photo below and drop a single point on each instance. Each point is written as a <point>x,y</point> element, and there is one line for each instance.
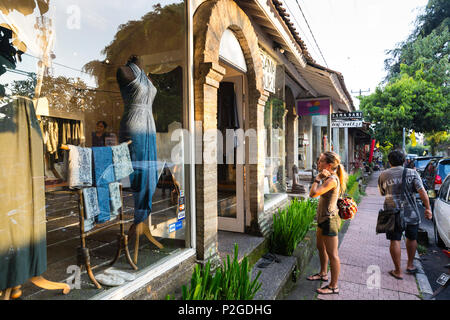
<point>364,255</point>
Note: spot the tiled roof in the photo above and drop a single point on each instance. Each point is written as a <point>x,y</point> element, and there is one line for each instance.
<point>283,13</point>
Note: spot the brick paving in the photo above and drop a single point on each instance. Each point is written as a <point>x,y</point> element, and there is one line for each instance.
<point>365,258</point>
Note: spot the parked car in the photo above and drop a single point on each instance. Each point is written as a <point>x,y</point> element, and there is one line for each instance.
<point>421,162</point>
<point>433,174</point>
<point>441,213</point>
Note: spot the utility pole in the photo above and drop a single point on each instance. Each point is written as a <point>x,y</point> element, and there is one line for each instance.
<point>361,91</point>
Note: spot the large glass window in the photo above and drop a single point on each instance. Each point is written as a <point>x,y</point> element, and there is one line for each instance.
<point>274,124</point>
<point>103,84</point>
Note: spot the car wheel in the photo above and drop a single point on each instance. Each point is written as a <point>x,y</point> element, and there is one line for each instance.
<point>437,238</point>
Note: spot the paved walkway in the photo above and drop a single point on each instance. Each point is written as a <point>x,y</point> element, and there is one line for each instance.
<point>365,258</point>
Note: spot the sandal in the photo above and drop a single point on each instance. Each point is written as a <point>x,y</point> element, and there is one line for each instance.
<point>317,277</point>
<point>395,276</point>
<point>412,271</point>
<point>333,290</point>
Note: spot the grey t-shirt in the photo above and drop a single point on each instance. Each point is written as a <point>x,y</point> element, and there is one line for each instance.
<point>390,185</point>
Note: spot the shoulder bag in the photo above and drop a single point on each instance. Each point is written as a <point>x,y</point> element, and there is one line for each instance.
<point>391,220</point>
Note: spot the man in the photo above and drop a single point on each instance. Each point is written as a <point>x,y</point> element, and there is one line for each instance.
<point>390,186</point>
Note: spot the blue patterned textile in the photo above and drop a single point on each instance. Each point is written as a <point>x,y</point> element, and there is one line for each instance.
<point>104,174</point>
<point>91,209</point>
<point>80,166</point>
<point>122,161</point>
<point>115,199</point>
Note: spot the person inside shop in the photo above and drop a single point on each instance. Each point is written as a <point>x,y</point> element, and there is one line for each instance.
<point>99,135</point>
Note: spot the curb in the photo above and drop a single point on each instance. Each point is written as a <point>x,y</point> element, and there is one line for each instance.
<point>422,280</point>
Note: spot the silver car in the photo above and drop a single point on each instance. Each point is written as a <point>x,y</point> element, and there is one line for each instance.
<point>441,213</point>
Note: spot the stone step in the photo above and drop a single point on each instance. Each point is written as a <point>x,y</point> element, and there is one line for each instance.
<point>274,277</point>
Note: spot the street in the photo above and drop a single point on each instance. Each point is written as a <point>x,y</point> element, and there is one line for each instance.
<point>434,260</point>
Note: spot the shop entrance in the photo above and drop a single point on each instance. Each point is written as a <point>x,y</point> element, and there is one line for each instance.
<point>231,167</point>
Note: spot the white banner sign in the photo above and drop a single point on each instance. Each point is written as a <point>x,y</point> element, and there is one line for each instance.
<point>346,124</point>
<point>269,70</point>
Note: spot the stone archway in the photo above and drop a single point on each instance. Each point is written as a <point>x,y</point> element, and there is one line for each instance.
<point>211,20</point>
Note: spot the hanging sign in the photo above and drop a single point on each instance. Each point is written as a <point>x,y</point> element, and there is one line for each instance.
<point>313,107</point>
<point>347,115</point>
<point>346,124</point>
<point>269,71</point>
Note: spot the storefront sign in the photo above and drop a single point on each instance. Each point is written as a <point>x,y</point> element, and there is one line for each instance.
<point>313,107</point>
<point>346,124</point>
<point>347,115</point>
<point>269,72</point>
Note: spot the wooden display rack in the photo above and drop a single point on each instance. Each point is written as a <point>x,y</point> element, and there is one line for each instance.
<point>122,239</point>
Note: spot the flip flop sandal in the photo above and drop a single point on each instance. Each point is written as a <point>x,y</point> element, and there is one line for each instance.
<point>333,290</point>
<point>271,257</point>
<point>411,271</point>
<point>263,265</point>
<point>321,277</point>
<point>393,275</point>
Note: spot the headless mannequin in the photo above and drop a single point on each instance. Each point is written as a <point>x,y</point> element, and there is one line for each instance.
<point>124,76</point>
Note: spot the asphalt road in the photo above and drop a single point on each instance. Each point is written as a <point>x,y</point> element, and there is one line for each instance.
<point>434,261</point>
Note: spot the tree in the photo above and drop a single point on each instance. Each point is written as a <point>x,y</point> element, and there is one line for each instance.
<point>434,139</point>
<point>416,92</point>
<point>429,39</point>
<point>406,102</point>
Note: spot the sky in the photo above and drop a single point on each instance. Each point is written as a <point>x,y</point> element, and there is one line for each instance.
<point>353,35</point>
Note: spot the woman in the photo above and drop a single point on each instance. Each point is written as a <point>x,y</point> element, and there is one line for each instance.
<point>333,180</point>
<point>98,137</point>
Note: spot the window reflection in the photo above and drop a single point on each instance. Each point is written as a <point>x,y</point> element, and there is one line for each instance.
<point>64,59</point>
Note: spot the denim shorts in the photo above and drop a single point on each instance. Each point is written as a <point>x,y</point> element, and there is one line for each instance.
<point>331,226</point>
<point>410,233</point>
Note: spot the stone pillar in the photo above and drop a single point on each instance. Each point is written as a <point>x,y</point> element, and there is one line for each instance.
<point>256,161</point>
<point>336,141</point>
<point>291,143</point>
<point>205,90</point>
<point>345,160</point>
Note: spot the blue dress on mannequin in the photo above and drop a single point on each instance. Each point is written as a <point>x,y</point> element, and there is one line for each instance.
<point>138,125</point>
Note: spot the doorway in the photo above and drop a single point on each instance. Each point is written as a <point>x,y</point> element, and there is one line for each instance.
<point>231,168</point>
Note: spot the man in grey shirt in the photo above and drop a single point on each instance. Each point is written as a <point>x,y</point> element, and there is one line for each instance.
<point>390,186</point>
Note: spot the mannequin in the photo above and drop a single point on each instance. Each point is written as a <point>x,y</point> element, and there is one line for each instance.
<point>137,124</point>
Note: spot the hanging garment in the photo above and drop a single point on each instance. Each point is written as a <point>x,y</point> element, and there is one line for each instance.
<point>138,125</point>
<point>68,133</point>
<point>122,161</point>
<point>115,199</point>
<point>82,137</point>
<point>91,208</point>
<point>23,252</point>
<point>54,138</point>
<point>104,175</point>
<point>80,166</point>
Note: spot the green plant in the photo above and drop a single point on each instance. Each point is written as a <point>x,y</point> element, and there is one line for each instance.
<point>291,224</point>
<point>232,281</point>
<point>236,279</point>
<point>421,249</point>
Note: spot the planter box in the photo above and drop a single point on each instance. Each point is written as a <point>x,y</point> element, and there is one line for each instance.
<point>302,255</point>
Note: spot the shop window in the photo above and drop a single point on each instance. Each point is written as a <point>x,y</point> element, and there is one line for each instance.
<point>93,75</point>
<point>275,126</point>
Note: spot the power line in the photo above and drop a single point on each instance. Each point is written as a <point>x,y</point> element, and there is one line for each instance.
<point>299,26</point>
<point>298,4</point>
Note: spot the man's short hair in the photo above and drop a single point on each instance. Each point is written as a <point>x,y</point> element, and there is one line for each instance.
<point>396,158</point>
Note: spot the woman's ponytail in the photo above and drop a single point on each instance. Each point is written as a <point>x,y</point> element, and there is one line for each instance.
<point>343,177</point>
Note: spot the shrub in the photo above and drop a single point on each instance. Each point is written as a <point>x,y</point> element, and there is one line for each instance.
<point>291,224</point>
<point>232,281</point>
